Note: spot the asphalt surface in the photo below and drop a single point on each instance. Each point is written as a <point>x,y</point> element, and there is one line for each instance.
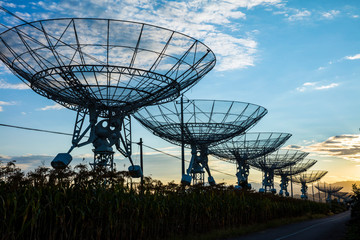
<point>329,228</point>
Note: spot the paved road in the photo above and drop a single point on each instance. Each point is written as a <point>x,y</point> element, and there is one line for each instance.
<point>330,228</point>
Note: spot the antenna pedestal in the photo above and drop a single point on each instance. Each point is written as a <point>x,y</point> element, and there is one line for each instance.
<point>304,189</point>
<point>242,174</point>
<point>284,184</point>
<point>197,167</point>
<point>103,159</point>
<point>268,181</point>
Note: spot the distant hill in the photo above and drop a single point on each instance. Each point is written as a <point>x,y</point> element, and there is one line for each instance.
<point>347,185</point>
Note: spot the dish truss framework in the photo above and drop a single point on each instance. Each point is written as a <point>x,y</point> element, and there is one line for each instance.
<point>105,69</point>
<point>199,124</point>
<point>345,196</point>
<point>287,173</point>
<point>329,190</point>
<point>308,177</point>
<point>247,146</point>
<point>276,160</point>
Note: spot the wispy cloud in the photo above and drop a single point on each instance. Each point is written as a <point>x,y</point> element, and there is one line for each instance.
<point>201,19</point>
<point>56,106</point>
<point>346,146</point>
<point>4,157</point>
<point>331,85</point>
<point>2,103</point>
<point>299,15</point>
<point>311,86</point>
<point>173,150</point>
<point>7,103</point>
<point>296,147</point>
<point>84,156</point>
<point>18,86</point>
<point>355,57</point>
<point>331,14</point>
<point>28,161</point>
<point>4,69</point>
<point>10,5</point>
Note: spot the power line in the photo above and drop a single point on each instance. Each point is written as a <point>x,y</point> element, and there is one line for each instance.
<point>68,134</point>
<point>35,129</point>
<point>174,156</point>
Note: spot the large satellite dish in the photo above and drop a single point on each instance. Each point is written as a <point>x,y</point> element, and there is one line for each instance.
<point>269,163</point>
<point>204,123</point>
<point>247,146</point>
<point>103,68</point>
<point>329,189</point>
<point>308,177</point>
<point>286,173</point>
<point>345,196</point>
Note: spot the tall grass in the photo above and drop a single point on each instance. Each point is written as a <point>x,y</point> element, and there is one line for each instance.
<point>83,204</point>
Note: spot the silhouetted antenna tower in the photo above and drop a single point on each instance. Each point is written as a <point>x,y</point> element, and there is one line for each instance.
<point>276,160</point>
<point>308,177</point>
<point>287,172</point>
<point>205,122</point>
<point>329,190</point>
<point>345,196</point>
<point>247,146</point>
<point>104,69</point>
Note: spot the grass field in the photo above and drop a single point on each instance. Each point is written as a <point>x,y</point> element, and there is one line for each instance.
<point>82,204</point>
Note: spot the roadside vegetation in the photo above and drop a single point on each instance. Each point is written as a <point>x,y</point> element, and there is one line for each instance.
<point>353,231</point>
<point>80,203</point>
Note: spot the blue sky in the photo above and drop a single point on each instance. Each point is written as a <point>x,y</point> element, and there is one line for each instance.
<point>299,59</point>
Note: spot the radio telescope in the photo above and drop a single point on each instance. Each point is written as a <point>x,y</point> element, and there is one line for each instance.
<point>308,177</point>
<point>105,69</point>
<point>287,172</point>
<point>269,163</point>
<point>248,146</point>
<point>205,122</point>
<point>329,190</point>
<point>342,195</point>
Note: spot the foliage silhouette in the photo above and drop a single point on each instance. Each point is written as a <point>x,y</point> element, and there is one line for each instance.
<point>84,204</point>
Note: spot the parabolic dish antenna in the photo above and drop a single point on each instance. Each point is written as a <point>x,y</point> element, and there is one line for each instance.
<point>247,146</point>
<point>103,68</point>
<point>286,173</point>
<point>345,196</point>
<point>276,160</point>
<point>329,190</point>
<point>205,122</point>
<point>308,177</point>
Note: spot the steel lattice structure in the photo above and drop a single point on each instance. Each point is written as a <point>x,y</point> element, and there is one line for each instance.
<point>345,196</point>
<point>287,172</point>
<point>308,177</point>
<point>205,122</point>
<point>103,68</point>
<point>269,163</point>
<point>248,146</point>
<point>329,190</point>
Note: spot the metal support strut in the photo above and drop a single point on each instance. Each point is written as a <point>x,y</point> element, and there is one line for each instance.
<point>114,130</point>
<point>268,182</point>
<point>304,188</point>
<point>195,171</point>
<point>242,174</point>
<point>284,185</point>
